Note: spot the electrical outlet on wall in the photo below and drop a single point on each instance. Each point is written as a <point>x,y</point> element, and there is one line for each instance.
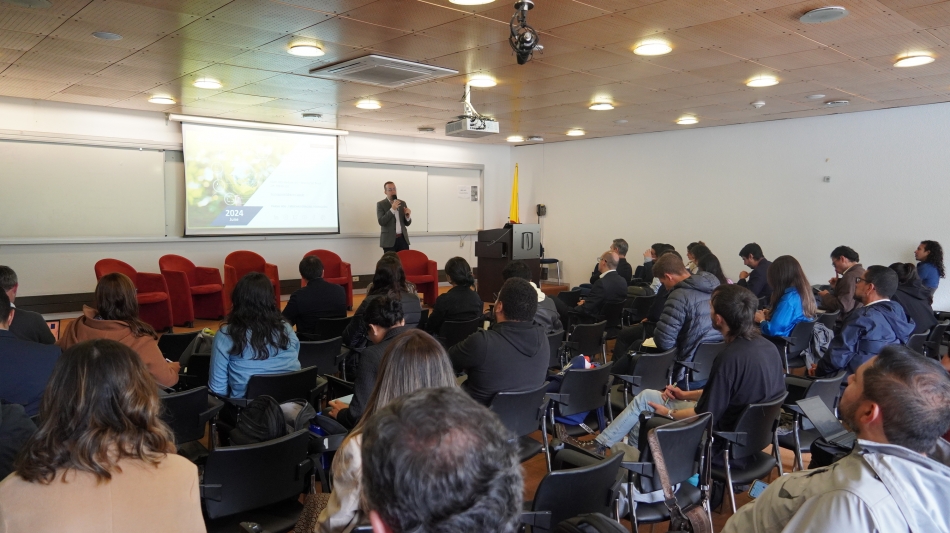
<point>356,278</point>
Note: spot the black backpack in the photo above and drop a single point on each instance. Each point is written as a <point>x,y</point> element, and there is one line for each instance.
<point>262,420</point>
<point>590,523</point>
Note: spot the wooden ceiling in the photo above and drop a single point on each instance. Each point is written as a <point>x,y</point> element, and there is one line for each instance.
<point>718,45</point>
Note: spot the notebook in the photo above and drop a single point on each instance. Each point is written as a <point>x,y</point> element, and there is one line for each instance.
<point>826,423</point>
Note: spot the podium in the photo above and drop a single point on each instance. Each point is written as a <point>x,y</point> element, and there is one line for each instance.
<point>495,248</point>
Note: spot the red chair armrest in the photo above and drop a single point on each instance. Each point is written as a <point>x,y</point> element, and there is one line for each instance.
<point>230,276</point>
<point>270,270</point>
<point>434,271</point>
<point>208,276</point>
<point>345,270</point>
<point>146,282</point>
<point>177,282</point>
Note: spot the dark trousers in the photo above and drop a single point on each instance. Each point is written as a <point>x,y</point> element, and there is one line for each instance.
<point>399,246</point>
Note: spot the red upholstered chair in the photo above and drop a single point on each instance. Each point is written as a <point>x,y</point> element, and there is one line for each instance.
<point>423,272</point>
<point>196,292</point>
<point>238,264</point>
<point>336,271</point>
<point>155,306</point>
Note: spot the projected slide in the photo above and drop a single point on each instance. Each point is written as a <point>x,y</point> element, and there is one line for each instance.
<point>245,181</point>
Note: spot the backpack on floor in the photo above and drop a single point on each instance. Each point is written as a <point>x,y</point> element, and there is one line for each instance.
<point>590,523</point>
<point>262,420</point>
<point>297,414</point>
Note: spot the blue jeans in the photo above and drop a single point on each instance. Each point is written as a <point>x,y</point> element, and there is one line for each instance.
<point>628,422</point>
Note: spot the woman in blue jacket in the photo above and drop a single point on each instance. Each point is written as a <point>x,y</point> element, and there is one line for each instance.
<point>792,300</point>
<point>930,265</point>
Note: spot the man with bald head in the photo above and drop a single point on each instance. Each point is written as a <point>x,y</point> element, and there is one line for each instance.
<point>610,287</point>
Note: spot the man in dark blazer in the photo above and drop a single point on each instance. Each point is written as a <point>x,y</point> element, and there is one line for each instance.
<point>25,366</point>
<point>756,282</point>
<point>29,326</point>
<point>609,288</point>
<point>393,216</point>
<point>319,299</point>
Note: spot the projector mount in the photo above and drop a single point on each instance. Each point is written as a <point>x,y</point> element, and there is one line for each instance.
<point>476,119</point>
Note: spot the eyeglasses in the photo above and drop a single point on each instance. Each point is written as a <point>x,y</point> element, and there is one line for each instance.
<point>856,280</point>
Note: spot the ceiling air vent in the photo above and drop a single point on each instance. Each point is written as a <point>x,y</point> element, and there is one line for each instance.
<point>382,71</point>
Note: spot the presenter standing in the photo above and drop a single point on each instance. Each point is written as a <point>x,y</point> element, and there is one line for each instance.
<point>393,216</point>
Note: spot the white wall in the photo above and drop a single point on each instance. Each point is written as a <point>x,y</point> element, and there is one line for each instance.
<point>68,268</point>
<point>755,182</point>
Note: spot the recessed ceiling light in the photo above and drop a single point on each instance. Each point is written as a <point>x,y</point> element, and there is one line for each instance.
<point>368,104</point>
<point>837,103</point>
<point>815,96</point>
<point>576,132</point>
<point>305,50</point>
<point>108,36</point>
<point>471,2</point>
<point>161,99</point>
<point>207,83</point>
<point>535,138</point>
<point>425,129</point>
<point>482,80</point>
<point>652,48</point>
<point>686,120</point>
<point>824,14</point>
<point>601,106</point>
<point>914,60</point>
<point>762,81</point>
<point>515,139</point>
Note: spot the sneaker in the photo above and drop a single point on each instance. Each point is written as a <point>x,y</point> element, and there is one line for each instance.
<point>590,447</point>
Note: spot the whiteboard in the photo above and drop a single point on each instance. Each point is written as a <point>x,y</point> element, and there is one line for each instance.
<point>61,190</point>
<point>361,186</point>
<point>452,206</point>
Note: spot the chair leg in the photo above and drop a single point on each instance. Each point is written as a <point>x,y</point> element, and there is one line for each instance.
<point>546,443</point>
<point>799,464</point>
<point>634,526</point>
<point>558,272</point>
<point>778,456</point>
<point>732,495</point>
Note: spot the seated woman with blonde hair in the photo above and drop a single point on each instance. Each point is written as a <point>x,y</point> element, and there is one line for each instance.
<point>102,459</point>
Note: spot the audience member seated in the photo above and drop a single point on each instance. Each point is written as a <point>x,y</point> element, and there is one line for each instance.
<point>547,315</point>
<point>116,317</point>
<point>710,263</point>
<point>461,303</point>
<point>254,339</point>
<point>650,256</point>
<point>792,300</point>
<point>631,336</point>
<point>435,461</point>
<point>413,361</point>
<point>319,299</point>
<point>748,370</point>
<point>102,458</point>
<point>756,282</point>
<point>609,288</point>
<point>929,255</point>
<point>25,366</point>
<point>389,280</point>
<point>16,428</point>
<point>384,322</point>
<point>623,267</point>
<point>28,326</point>
<point>684,322</point>
<point>868,329</point>
<point>898,404</point>
<point>512,355</point>
<point>914,297</point>
<point>691,264</point>
<point>841,297</point>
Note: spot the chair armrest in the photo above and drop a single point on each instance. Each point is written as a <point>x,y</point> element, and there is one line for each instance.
<point>179,290</point>
<point>692,365</point>
<point>214,407</point>
<point>346,270</point>
<point>252,527</point>
<point>735,437</point>
<point>230,275</point>
<point>147,282</point>
<point>270,270</point>
<point>643,469</point>
<point>211,492</point>
<point>208,276</point>
<point>562,399</point>
<point>793,408</point>
<point>237,402</point>
<point>433,269</point>
<point>633,380</point>
<point>540,519</point>
<point>327,443</point>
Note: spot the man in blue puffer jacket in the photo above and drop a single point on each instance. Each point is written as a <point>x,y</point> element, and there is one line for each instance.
<point>685,321</point>
<point>868,329</point>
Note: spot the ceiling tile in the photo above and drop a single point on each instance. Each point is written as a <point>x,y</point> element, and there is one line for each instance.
<point>586,60</point>
<point>470,32</point>
<point>234,98</point>
<point>406,15</point>
<point>266,15</point>
<point>212,31</point>
<point>632,70</point>
<point>929,16</point>
<point>601,30</point>
<point>189,7</point>
<point>81,50</point>
<point>542,19</point>
<point>29,20</point>
<point>15,40</point>
<point>675,14</point>
<point>418,47</point>
<point>808,58</point>
<point>99,92</point>
<point>272,62</point>
<point>353,32</point>
<point>28,88</point>
<point>478,59</point>
<point>173,48</point>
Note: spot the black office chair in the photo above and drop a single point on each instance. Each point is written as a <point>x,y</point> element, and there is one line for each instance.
<point>325,355</point>
<point>187,413</point>
<point>172,345</point>
<point>300,384</point>
<point>582,390</point>
<point>802,437</point>
<point>337,388</point>
<point>522,413</point>
<point>754,431</point>
<point>571,298</point>
<point>917,342</point>
<point>698,369</point>
<point>638,309</point>
<point>258,483</point>
<point>587,339</point>
<point>935,339</point>
<point>195,372</point>
<point>639,372</point>
<point>829,319</point>
<point>329,328</point>
<point>554,343</point>
<point>612,315</point>
<point>564,494</point>
<point>792,346</point>
<point>453,332</point>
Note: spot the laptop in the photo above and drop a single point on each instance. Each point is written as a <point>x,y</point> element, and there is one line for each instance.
<point>826,423</point>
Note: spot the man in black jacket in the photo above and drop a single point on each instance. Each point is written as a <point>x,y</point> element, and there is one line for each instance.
<point>28,326</point>
<point>318,299</point>
<point>511,356</point>
<point>609,288</point>
<point>623,267</point>
<point>756,282</point>
<point>547,316</point>
<point>25,367</point>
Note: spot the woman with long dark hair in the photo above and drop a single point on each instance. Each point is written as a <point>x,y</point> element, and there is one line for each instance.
<point>102,459</point>
<point>930,266</point>
<point>116,317</point>
<point>388,280</point>
<point>710,263</point>
<point>254,339</point>
<point>914,297</point>
<point>461,302</point>
<point>792,300</point>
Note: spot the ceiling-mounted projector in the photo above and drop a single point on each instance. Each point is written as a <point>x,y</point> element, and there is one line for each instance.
<point>470,124</point>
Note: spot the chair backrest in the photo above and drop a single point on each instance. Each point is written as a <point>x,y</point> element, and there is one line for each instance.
<point>245,261</point>
<point>829,319</point>
<point>827,388</point>
<point>653,368</point>
<point>706,354</point>
<point>181,412</point>
<point>242,478</point>
<point>554,342</point>
<point>423,319</point>
<point>801,337</point>
<point>758,421</point>
<point>520,412</point>
<point>455,332</point>
<point>575,491</point>
<point>570,297</point>
<point>321,354</point>
<point>936,334</point>
<point>179,264</point>
<point>587,389</point>
<point>589,337</point>
<point>679,441</point>
<point>641,305</point>
<point>916,342</point>
<point>283,387</point>
<point>173,345</point>
<point>198,369</point>
<point>331,262</point>
<point>108,266</point>
<point>414,262</point>
<point>328,328</point>
<point>612,314</point>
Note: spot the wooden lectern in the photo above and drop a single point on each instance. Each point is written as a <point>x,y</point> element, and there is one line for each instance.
<point>495,248</point>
